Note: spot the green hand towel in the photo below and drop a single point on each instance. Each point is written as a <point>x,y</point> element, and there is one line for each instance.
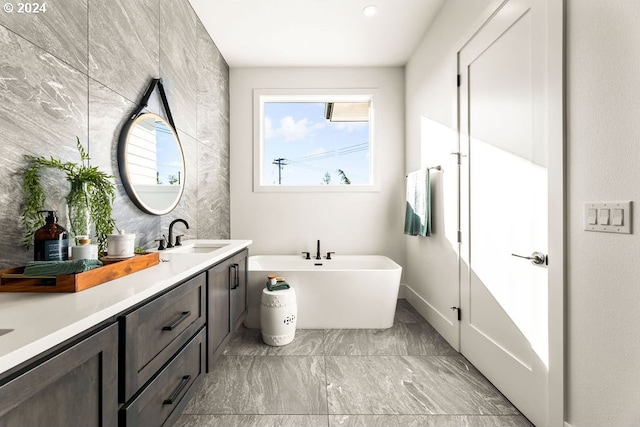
<point>278,286</point>
<point>53,268</point>
<point>417,221</point>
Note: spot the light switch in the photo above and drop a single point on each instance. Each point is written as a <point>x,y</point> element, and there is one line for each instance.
<point>617,217</point>
<point>608,217</point>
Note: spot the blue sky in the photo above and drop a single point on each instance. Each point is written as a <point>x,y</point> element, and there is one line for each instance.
<point>312,146</point>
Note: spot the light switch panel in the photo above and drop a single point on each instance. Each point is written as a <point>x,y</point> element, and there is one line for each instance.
<point>608,217</point>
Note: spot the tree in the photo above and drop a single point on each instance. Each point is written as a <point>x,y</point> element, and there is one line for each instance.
<point>343,177</point>
<point>327,178</point>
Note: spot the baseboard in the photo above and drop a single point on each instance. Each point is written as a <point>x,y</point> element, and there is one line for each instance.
<point>437,319</point>
<point>402,291</point>
<point>566,424</point>
<point>425,309</point>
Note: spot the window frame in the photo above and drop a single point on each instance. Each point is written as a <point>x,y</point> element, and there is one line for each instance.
<point>260,96</point>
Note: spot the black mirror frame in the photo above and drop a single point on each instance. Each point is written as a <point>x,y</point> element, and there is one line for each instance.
<point>122,149</point>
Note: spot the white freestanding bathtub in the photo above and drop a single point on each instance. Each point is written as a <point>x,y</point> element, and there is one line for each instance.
<point>348,291</point>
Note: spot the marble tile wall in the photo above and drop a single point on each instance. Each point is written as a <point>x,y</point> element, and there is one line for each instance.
<point>178,61</point>
<point>79,69</point>
<point>133,38</point>
<point>61,30</point>
<point>212,133</point>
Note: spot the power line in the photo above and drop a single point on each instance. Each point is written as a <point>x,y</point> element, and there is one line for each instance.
<point>333,153</point>
<point>340,151</point>
<point>300,161</point>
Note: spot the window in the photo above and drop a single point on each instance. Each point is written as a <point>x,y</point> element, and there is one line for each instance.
<point>313,140</point>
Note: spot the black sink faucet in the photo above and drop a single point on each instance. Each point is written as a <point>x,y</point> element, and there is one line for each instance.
<point>170,239</point>
<point>318,256</point>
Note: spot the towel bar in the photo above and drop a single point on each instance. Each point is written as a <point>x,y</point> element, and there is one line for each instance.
<point>437,167</point>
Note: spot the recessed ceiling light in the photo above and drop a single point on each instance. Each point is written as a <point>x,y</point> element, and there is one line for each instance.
<point>370,10</point>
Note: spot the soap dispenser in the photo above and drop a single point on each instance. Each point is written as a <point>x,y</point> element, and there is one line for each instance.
<point>51,241</point>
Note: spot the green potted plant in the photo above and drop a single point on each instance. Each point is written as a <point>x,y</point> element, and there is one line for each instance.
<point>90,199</point>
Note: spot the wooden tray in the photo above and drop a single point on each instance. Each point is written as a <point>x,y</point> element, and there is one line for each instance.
<point>13,279</point>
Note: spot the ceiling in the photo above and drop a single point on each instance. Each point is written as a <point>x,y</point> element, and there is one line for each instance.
<point>315,33</point>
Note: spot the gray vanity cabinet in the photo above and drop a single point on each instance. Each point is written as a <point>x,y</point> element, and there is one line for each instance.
<point>218,325</point>
<point>239,289</point>
<point>140,367</point>
<point>227,293</point>
<point>162,401</point>
<point>77,387</point>
<point>163,354</point>
<point>154,332</point>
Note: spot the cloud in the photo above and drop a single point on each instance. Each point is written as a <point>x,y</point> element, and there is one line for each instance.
<point>289,129</point>
<point>268,128</point>
<point>350,126</point>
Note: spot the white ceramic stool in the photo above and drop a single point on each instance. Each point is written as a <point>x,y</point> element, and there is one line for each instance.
<point>278,312</point>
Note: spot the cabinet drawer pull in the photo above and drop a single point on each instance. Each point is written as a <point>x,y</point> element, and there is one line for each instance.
<point>235,280</point>
<point>174,396</point>
<point>183,316</point>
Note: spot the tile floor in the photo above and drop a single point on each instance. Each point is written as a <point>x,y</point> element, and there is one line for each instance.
<point>407,375</point>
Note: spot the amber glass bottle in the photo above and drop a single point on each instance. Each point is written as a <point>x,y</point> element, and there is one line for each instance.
<point>51,241</point>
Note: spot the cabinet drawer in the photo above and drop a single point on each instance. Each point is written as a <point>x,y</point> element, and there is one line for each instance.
<point>155,331</point>
<point>163,400</point>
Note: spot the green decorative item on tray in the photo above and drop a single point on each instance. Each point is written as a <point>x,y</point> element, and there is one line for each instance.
<point>89,201</point>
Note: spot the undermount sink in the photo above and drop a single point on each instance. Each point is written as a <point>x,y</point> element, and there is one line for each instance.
<point>5,331</point>
<point>196,247</point>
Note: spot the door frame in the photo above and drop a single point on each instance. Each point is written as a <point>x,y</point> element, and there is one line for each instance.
<point>556,192</point>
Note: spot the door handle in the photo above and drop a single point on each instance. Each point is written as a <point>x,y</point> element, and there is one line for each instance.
<point>536,258</point>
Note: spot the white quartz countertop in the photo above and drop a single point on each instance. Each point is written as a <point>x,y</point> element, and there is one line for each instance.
<point>43,320</point>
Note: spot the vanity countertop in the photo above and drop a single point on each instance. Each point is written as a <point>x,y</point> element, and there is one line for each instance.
<point>41,321</point>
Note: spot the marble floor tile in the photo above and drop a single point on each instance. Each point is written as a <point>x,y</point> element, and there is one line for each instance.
<point>248,342</point>
<point>410,385</point>
<point>252,421</point>
<point>405,313</point>
<point>262,385</point>
<point>402,339</point>
<point>407,375</point>
<point>428,421</point>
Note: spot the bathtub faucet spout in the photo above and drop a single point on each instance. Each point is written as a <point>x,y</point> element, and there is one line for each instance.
<point>318,256</point>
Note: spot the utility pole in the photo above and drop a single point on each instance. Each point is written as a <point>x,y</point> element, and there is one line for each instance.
<point>281,162</point>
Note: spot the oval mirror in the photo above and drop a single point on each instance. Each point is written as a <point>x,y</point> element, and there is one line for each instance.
<point>151,164</point>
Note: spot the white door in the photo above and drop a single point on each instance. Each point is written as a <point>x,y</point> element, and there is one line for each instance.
<point>504,209</point>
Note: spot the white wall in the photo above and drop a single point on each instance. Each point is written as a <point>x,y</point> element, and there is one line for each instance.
<point>603,287</point>
<point>431,270</point>
<point>347,223</point>
<point>602,385</point>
